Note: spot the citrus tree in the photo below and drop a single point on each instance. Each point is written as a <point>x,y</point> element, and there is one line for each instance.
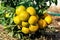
<point>25,18</point>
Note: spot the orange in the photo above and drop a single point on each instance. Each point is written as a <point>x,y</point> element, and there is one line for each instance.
<point>25,30</point>
<point>25,24</point>
<point>33,28</point>
<point>19,9</point>
<point>32,20</point>
<point>42,23</point>
<point>7,15</point>
<point>31,11</point>
<point>16,20</point>
<point>48,19</point>
<point>24,16</point>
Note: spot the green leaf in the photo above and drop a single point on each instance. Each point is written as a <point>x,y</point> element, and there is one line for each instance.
<point>19,36</point>
<point>19,31</point>
<point>54,1</point>
<point>10,33</point>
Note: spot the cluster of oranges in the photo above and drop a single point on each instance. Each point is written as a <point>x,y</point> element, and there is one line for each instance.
<point>29,21</point>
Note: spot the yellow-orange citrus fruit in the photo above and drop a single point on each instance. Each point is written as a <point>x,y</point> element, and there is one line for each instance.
<point>19,9</point>
<point>25,24</point>
<point>7,15</point>
<point>42,23</point>
<point>48,19</point>
<point>25,30</point>
<point>32,20</point>
<point>24,16</point>
<point>31,11</point>
<point>16,20</point>
<point>33,28</point>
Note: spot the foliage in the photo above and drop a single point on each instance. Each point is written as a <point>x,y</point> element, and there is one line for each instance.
<point>39,5</point>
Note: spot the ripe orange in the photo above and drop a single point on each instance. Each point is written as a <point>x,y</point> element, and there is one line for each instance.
<point>32,20</point>
<point>33,28</point>
<point>31,11</point>
<point>16,20</point>
<point>25,30</point>
<point>19,9</point>
<point>42,23</point>
<point>48,19</point>
<point>24,16</point>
